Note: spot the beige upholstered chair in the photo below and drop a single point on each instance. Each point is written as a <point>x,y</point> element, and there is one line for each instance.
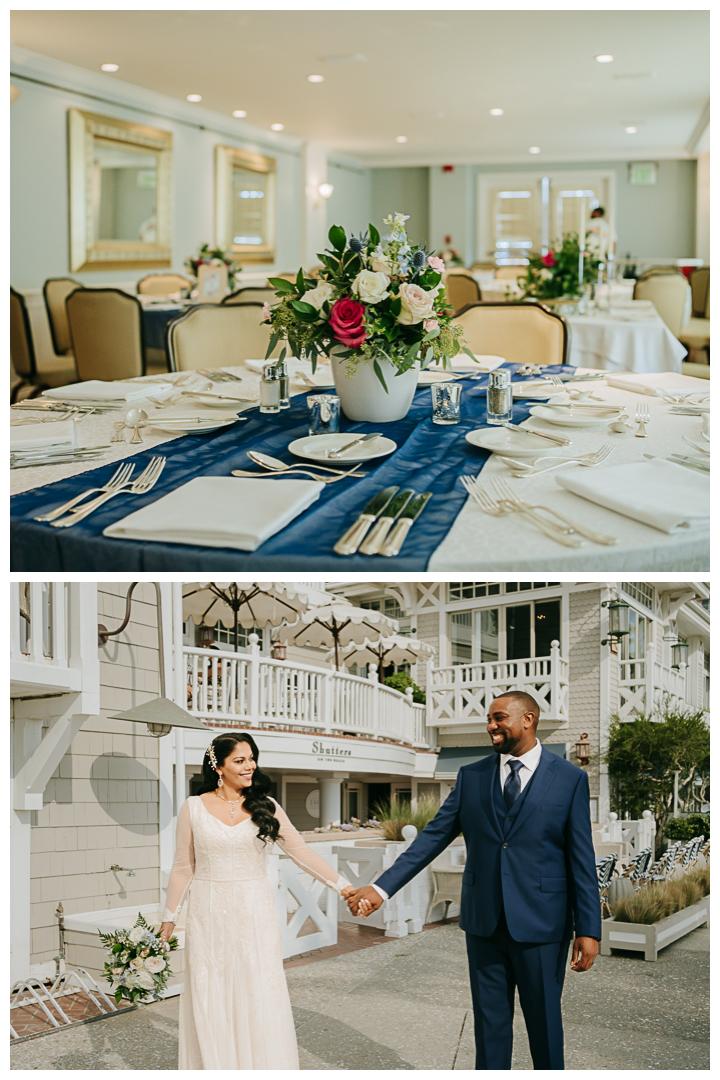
<point>523,333</point>
<point>461,290</point>
<point>162,284</point>
<point>287,276</point>
<point>52,371</point>
<point>55,293</point>
<point>510,273</point>
<point>487,265</point>
<point>670,293</point>
<point>217,335</point>
<point>107,333</point>
<point>251,295</point>
<point>700,289</point>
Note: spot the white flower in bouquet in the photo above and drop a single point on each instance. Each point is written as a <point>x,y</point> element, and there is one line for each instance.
<point>371,287</point>
<point>144,980</point>
<point>318,295</point>
<point>417,304</point>
<point>117,970</point>
<point>137,934</point>
<point>155,964</point>
<point>379,265</point>
<point>137,963</point>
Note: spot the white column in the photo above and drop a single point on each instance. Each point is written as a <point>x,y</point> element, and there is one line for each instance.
<point>315,223</point>
<point>331,796</point>
<point>176,689</point>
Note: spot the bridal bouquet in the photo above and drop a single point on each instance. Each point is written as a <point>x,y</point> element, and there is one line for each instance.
<point>376,298</point>
<point>137,968</point>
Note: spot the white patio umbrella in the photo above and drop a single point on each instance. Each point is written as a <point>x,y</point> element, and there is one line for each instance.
<point>248,603</point>
<point>396,649</point>
<point>337,624</point>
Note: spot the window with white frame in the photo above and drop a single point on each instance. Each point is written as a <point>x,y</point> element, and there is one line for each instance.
<point>472,590</point>
<point>640,591</point>
<point>507,632</point>
<point>225,636</point>
<point>633,646</point>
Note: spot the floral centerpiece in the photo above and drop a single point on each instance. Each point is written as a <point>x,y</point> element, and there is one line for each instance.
<point>137,968</point>
<point>377,309</point>
<point>556,275</point>
<point>208,256</point>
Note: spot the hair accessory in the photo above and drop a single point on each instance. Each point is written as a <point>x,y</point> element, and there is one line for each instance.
<point>211,754</point>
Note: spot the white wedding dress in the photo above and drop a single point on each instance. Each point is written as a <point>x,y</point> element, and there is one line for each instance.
<point>234,1009</point>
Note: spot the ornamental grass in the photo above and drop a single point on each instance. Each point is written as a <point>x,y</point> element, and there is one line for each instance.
<point>394,816</point>
<point>657,902</point>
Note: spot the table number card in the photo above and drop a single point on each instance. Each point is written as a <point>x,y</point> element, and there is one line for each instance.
<point>212,283</point>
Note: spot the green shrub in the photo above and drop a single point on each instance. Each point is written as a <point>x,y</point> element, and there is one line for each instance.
<point>395,815</point>
<point>657,902</point>
<point>686,828</point>
<point>401,680</point>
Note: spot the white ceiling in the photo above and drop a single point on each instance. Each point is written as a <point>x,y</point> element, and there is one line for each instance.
<point>432,76</point>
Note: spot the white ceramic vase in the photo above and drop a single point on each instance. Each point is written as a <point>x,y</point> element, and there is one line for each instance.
<point>362,397</point>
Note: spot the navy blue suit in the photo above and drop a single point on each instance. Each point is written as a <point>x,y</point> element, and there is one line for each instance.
<point>529,884</point>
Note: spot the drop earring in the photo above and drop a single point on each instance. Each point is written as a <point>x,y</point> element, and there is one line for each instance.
<point>220,781</point>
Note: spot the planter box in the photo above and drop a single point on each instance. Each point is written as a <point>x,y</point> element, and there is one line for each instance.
<point>650,938</point>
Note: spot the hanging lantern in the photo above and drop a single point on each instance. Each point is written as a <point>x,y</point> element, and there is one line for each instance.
<point>619,621</point>
<point>279,650</point>
<point>679,653</point>
<point>582,749</point>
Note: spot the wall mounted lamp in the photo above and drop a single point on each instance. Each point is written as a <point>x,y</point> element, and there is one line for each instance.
<point>619,621</point>
<point>325,190</point>
<point>582,749</point>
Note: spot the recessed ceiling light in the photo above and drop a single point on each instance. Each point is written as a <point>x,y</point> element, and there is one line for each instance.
<point>604,58</point>
<point>401,138</point>
<point>631,131</point>
<point>496,112</point>
<point>316,78</point>
<point>533,150</point>
<point>240,113</point>
<point>109,67</point>
<point>194,97</point>
<point>277,127</point>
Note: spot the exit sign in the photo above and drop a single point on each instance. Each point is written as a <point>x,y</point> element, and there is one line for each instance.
<point>643,174</point>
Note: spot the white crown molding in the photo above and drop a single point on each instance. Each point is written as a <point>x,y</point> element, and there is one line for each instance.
<point>388,161</point>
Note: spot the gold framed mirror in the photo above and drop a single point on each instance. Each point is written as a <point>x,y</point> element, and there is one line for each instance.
<point>120,194</point>
<point>245,204</point>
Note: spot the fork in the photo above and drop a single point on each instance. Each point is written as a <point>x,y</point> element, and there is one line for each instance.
<point>301,472</point>
<point>696,446</point>
<point>119,477</point>
<point>144,483</point>
<point>589,460</point>
<point>217,375</point>
<point>496,509</point>
<point>642,417</point>
<point>506,494</point>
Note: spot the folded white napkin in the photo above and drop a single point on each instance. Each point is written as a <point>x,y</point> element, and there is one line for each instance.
<point>220,511</point>
<point>98,390</point>
<point>27,436</point>
<point>658,492</point>
<point>656,381</point>
<point>462,362</point>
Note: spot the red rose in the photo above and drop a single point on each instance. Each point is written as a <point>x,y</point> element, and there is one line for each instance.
<point>348,323</point>
<point>549,259</point>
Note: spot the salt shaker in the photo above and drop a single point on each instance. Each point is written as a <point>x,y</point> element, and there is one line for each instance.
<point>284,384</point>
<point>270,390</point>
<point>499,397</point>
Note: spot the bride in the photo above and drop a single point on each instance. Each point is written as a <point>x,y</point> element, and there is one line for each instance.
<point>234,1010</point>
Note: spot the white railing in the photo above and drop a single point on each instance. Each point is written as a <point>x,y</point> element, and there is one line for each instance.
<point>638,834</point>
<point>645,684</point>
<point>461,694</point>
<point>248,689</point>
<point>53,638</point>
<point>37,622</point>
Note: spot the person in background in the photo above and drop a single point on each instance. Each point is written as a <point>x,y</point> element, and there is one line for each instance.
<point>598,238</point>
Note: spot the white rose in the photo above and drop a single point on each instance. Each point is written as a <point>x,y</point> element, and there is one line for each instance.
<point>155,964</point>
<point>371,287</point>
<point>137,963</point>
<point>137,934</point>
<point>145,980</point>
<point>318,295</point>
<point>417,304</point>
<point>380,267</point>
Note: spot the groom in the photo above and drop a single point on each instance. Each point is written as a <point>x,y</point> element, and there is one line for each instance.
<point>529,882</point>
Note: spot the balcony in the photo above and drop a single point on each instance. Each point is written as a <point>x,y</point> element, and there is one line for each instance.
<point>53,638</point>
<point>460,695</point>
<point>228,689</point>
<point>646,685</point>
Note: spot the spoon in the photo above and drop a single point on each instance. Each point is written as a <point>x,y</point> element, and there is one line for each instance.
<point>275,465</point>
<point>134,419</point>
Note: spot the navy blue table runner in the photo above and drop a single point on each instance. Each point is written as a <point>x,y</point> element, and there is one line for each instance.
<point>428,458</point>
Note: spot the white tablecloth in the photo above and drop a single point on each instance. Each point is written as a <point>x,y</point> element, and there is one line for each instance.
<point>614,343</point>
<point>479,542</point>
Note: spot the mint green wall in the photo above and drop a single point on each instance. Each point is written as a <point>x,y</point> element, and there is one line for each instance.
<point>404,190</point>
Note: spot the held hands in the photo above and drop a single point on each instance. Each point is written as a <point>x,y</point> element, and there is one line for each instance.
<point>166,931</point>
<point>362,901</point>
<point>585,949</point>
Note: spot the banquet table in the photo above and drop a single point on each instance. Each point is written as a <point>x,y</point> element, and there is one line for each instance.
<point>155,318</point>
<point>628,337</point>
<point>452,534</point>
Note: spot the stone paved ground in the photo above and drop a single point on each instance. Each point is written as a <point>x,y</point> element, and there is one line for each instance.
<point>406,1005</point>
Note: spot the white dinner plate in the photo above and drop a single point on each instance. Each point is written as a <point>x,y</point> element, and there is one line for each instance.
<point>580,419</point>
<point>189,425</point>
<point>316,447</point>
<point>503,441</point>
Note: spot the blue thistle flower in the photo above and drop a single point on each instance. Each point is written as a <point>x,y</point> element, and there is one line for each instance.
<point>358,243</point>
<point>419,259</point>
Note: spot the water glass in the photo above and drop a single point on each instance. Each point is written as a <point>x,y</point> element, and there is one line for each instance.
<point>446,402</point>
<point>323,414</point>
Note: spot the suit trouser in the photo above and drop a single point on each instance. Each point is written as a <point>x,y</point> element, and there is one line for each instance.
<point>498,964</point>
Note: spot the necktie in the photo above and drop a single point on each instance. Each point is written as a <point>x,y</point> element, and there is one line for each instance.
<point>512,784</point>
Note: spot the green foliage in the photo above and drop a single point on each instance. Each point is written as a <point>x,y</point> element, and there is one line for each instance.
<point>687,828</point>
<point>657,902</point>
<point>563,278</point>
<point>395,815</point>
<point>126,969</point>
<point>401,681</point>
<point>644,754</point>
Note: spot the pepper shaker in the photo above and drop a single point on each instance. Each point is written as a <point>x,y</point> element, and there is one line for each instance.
<point>270,390</point>
<point>499,397</point>
<point>284,379</point>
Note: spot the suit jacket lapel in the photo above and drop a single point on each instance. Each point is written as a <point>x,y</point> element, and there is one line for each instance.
<point>487,781</point>
<point>540,782</point>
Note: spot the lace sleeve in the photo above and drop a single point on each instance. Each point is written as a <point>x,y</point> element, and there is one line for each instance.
<point>303,856</point>
<point>183,866</point>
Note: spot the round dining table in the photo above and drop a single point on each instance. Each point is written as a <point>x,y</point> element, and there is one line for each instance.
<point>627,336</point>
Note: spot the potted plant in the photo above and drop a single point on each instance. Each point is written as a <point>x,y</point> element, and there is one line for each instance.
<point>657,915</point>
<point>377,309</point>
<point>554,278</point>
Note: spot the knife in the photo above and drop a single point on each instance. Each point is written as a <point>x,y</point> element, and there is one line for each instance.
<point>382,526</point>
<point>688,462</point>
<point>412,511</point>
<point>534,431</point>
<point>351,540</point>
<point>338,451</point>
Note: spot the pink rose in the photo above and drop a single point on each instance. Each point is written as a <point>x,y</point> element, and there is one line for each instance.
<point>417,304</point>
<point>348,323</point>
<point>436,264</point>
<point>549,259</point>
<point>266,310</point>
<point>431,324</point>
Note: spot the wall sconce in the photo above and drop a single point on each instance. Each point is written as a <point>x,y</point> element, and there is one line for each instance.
<point>279,650</point>
<point>679,653</point>
<point>325,190</point>
<point>582,749</point>
<point>619,621</point>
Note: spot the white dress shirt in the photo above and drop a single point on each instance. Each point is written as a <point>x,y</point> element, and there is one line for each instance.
<point>530,760</point>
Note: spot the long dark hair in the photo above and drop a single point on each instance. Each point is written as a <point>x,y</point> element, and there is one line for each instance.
<point>257,803</point>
